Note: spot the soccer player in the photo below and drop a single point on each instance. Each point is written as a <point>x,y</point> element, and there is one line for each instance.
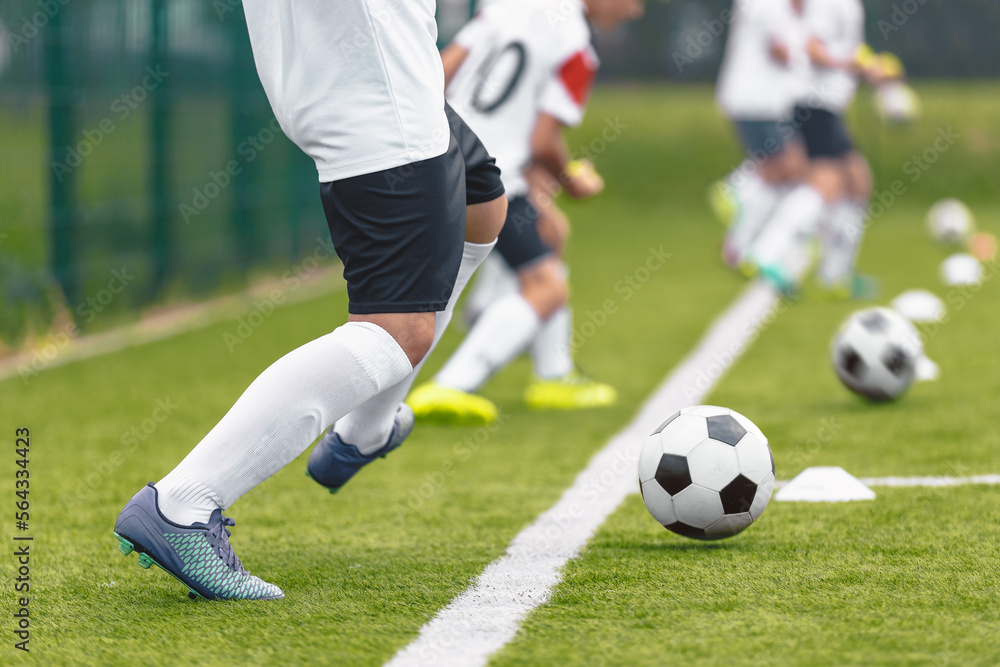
<point>518,73</point>
<point>763,74</point>
<point>358,85</point>
<point>838,182</point>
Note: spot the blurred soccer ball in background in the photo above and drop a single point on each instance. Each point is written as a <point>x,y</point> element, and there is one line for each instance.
<point>950,221</point>
<point>875,353</point>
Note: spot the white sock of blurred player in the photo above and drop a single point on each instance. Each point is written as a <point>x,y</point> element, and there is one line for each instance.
<point>757,200</point>
<point>368,426</point>
<point>500,334</point>
<point>841,238</point>
<point>550,350</point>
<point>783,248</point>
<point>494,279</point>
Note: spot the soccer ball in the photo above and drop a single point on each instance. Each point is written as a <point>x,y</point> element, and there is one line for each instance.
<point>875,353</point>
<point>950,221</point>
<point>896,102</point>
<point>706,473</point>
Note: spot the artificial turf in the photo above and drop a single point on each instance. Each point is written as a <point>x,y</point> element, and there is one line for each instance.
<point>904,579</point>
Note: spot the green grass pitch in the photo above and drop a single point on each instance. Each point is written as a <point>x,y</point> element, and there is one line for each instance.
<point>907,579</point>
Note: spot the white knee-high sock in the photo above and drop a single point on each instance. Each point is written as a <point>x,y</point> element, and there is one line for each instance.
<point>841,242</point>
<point>368,426</point>
<point>550,351</point>
<point>279,415</point>
<point>786,239</point>
<point>494,279</point>
<point>757,199</point>
<point>501,332</point>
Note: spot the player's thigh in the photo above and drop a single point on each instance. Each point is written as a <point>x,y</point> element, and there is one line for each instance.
<point>859,175</point>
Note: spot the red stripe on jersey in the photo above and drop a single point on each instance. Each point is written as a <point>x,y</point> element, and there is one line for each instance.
<point>577,74</point>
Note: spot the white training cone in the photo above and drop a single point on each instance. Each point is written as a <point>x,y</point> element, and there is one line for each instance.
<point>926,370</point>
<point>825,484</point>
<point>919,305</point>
<point>961,269</point>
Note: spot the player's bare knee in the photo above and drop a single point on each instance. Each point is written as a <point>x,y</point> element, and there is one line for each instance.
<point>544,287</point>
<point>484,221</point>
<point>828,180</point>
<point>413,332</point>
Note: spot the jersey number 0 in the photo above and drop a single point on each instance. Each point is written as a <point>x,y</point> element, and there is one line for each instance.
<point>483,99</point>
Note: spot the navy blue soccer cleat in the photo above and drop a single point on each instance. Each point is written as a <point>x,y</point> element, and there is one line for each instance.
<point>333,462</point>
<point>199,555</point>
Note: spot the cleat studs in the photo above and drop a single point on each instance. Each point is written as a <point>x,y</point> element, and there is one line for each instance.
<point>125,547</point>
<point>192,595</point>
<point>145,561</point>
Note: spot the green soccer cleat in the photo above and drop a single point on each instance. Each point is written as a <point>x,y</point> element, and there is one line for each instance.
<point>434,402</point>
<point>572,391</point>
<point>199,556</point>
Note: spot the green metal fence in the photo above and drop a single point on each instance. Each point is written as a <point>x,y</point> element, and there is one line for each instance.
<point>140,164</point>
<point>139,158</point>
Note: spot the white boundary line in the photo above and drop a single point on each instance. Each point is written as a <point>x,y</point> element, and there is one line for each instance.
<point>903,482</point>
<point>484,618</point>
<point>169,321</point>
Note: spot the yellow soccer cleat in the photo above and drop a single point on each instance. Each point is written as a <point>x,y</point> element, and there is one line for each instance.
<point>434,402</point>
<point>570,392</point>
<point>723,203</point>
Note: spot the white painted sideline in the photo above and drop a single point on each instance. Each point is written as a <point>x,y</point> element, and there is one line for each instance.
<point>169,321</point>
<point>908,482</point>
<point>931,481</point>
<point>485,617</point>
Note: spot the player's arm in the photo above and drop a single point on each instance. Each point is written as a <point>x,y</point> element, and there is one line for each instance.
<point>549,151</point>
<point>819,54</point>
<point>452,58</point>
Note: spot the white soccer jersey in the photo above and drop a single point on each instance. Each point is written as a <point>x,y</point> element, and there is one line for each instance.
<point>752,85</point>
<point>840,24</point>
<point>357,84</point>
<point>525,57</point>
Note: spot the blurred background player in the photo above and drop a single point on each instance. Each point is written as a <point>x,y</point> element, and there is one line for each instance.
<point>518,73</point>
<point>763,73</point>
<point>834,198</point>
<point>361,116</point>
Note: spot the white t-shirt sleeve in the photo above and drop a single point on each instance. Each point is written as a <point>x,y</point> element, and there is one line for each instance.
<point>567,90</point>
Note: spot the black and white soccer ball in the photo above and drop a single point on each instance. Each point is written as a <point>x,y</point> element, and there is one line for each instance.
<point>706,473</point>
<point>950,221</point>
<point>875,353</point>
